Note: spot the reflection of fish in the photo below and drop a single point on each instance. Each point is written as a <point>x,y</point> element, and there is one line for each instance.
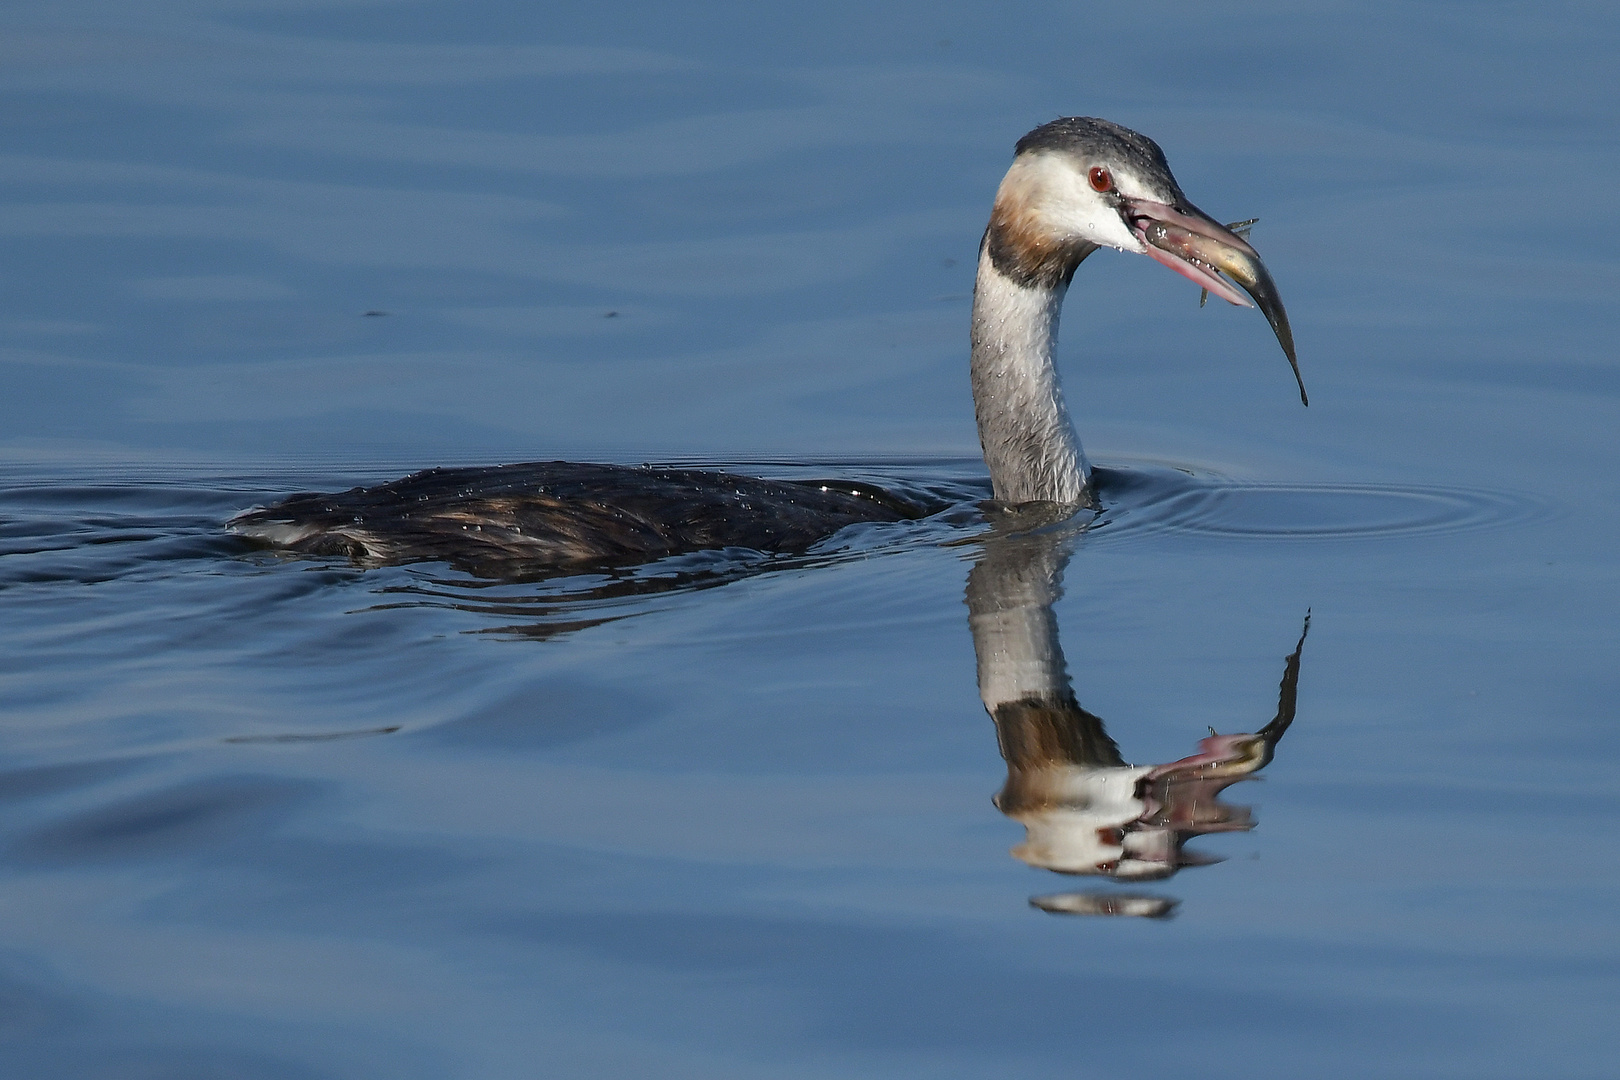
<point>1088,815</point>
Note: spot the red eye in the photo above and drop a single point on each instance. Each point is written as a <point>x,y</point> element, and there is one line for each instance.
<point>1100,180</point>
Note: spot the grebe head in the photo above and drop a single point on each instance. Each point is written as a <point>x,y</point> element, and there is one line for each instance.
<point>1081,183</point>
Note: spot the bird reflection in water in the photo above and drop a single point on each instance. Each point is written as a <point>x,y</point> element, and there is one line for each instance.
<point>1085,810</point>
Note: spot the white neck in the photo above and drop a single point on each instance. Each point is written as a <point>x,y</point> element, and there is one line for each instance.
<point>1029,442</point>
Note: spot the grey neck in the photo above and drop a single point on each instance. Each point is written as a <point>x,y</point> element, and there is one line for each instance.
<point>1029,442</point>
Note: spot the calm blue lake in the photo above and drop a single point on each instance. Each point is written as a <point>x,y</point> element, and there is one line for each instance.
<point>730,815</point>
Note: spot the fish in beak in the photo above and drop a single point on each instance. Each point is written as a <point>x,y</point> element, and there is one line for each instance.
<point>1201,249</point>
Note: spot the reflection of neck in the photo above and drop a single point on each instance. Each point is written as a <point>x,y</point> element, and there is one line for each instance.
<point>1023,678</point>
<point>1029,443</point>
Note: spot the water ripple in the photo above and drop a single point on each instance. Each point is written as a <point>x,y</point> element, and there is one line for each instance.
<point>1162,501</point>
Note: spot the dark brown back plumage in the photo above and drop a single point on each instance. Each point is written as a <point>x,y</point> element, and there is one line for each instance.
<point>508,520</point>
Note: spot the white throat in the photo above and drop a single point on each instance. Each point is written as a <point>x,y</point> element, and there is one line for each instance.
<point>1029,442</point>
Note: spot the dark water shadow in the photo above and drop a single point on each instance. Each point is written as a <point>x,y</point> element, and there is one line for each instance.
<point>547,715</point>
<point>193,819</point>
<point>293,738</point>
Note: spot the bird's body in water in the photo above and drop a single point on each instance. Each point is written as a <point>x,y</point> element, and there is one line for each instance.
<point>503,520</point>
<point>1075,185</point>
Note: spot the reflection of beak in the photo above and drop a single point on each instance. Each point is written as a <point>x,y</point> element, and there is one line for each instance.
<point>1218,757</point>
<point>1198,247</point>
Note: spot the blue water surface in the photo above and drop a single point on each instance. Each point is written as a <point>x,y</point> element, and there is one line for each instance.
<point>730,816</point>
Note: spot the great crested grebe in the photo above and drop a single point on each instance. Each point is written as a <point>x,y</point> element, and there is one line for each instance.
<point>1075,185</point>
